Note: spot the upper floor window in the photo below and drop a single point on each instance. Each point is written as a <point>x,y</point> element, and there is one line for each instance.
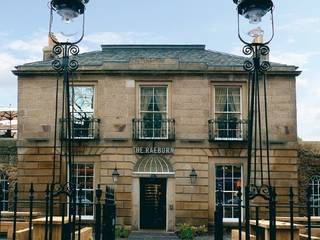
<point>154,112</point>
<point>227,123</point>
<point>82,112</point>
<point>315,195</point>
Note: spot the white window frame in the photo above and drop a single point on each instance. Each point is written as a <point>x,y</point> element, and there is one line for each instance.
<point>215,112</point>
<point>141,135</point>
<point>93,112</point>
<point>5,191</point>
<point>229,220</point>
<point>86,217</point>
<point>315,197</point>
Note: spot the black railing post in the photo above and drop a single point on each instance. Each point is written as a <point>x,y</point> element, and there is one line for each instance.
<point>257,228</point>
<point>80,193</point>
<point>247,211</point>
<point>31,197</point>
<point>291,213</point>
<point>15,203</point>
<point>272,213</point>
<point>98,214</point>
<point>1,203</point>
<point>218,216</point>
<point>239,195</point>
<point>109,218</point>
<point>309,211</point>
<point>47,198</point>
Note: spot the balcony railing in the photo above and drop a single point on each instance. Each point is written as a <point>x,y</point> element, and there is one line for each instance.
<point>227,130</point>
<point>81,128</point>
<point>145,129</point>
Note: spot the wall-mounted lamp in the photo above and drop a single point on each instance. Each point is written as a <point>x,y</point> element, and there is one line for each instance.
<point>115,175</point>
<point>193,176</point>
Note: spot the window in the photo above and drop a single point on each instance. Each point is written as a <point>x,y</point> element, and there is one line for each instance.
<point>5,191</point>
<point>84,175</point>
<point>153,112</point>
<point>228,178</point>
<point>82,111</point>
<point>315,195</point>
<point>228,113</point>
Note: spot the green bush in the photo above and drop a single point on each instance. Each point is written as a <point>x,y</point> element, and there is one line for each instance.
<point>122,232</point>
<point>188,232</point>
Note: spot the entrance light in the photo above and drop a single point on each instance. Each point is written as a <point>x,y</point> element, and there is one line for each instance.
<point>115,175</point>
<point>193,176</point>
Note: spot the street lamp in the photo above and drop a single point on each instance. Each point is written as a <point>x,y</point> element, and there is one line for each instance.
<point>193,176</point>
<point>256,30</point>
<point>115,175</point>
<point>256,11</point>
<point>65,13</point>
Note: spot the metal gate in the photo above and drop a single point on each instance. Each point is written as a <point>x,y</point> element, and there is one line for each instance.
<point>271,218</point>
<point>57,213</point>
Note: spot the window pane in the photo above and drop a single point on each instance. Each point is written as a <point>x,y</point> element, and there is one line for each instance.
<point>153,112</point>
<point>219,171</point>
<point>229,177</point>
<point>83,98</point>
<point>227,99</point>
<point>84,177</point>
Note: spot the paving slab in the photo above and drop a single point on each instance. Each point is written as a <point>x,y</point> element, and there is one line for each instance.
<point>152,236</point>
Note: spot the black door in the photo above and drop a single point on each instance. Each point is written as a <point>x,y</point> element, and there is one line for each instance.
<point>153,203</point>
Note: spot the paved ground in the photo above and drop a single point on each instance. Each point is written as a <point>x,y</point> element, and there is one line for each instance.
<point>166,236</point>
<point>152,236</point>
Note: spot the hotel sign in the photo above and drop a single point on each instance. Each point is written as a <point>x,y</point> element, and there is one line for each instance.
<point>153,150</point>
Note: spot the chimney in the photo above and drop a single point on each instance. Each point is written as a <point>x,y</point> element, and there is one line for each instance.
<point>47,51</point>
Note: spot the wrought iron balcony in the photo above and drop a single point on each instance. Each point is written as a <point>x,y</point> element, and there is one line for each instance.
<point>153,129</point>
<point>81,128</point>
<point>227,130</point>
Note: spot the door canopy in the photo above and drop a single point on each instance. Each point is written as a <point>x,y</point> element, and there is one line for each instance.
<point>153,164</point>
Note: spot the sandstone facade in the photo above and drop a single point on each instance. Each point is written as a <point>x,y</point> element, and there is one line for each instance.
<point>190,101</point>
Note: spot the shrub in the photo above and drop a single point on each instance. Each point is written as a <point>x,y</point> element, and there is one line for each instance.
<point>122,232</point>
<point>188,232</point>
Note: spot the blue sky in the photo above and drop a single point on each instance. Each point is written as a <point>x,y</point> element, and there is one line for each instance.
<point>24,27</point>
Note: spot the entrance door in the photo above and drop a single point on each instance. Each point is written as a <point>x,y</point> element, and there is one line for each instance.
<point>153,203</point>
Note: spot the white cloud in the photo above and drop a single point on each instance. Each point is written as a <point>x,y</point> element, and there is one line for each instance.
<point>301,24</point>
<point>33,46</point>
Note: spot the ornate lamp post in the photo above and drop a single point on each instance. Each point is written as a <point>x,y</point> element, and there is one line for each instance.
<point>63,15</point>
<point>256,30</point>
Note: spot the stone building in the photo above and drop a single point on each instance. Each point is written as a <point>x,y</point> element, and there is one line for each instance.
<point>156,114</point>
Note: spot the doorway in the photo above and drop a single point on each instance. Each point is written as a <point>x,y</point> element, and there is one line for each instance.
<point>153,200</point>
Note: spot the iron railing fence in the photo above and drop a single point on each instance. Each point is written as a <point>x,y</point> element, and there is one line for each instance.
<point>227,130</point>
<point>82,128</point>
<point>153,129</point>
<point>269,218</point>
<point>56,213</point>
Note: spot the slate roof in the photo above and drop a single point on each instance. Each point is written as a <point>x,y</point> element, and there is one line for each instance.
<point>184,53</point>
<point>178,57</point>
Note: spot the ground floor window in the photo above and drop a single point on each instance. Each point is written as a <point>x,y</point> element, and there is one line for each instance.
<point>84,176</point>
<point>228,178</point>
<point>315,195</point>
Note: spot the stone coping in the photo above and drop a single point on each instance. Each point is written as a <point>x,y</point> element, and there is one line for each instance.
<point>279,224</point>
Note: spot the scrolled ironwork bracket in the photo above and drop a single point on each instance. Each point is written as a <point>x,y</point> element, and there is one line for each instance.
<point>62,63</point>
<point>255,63</point>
